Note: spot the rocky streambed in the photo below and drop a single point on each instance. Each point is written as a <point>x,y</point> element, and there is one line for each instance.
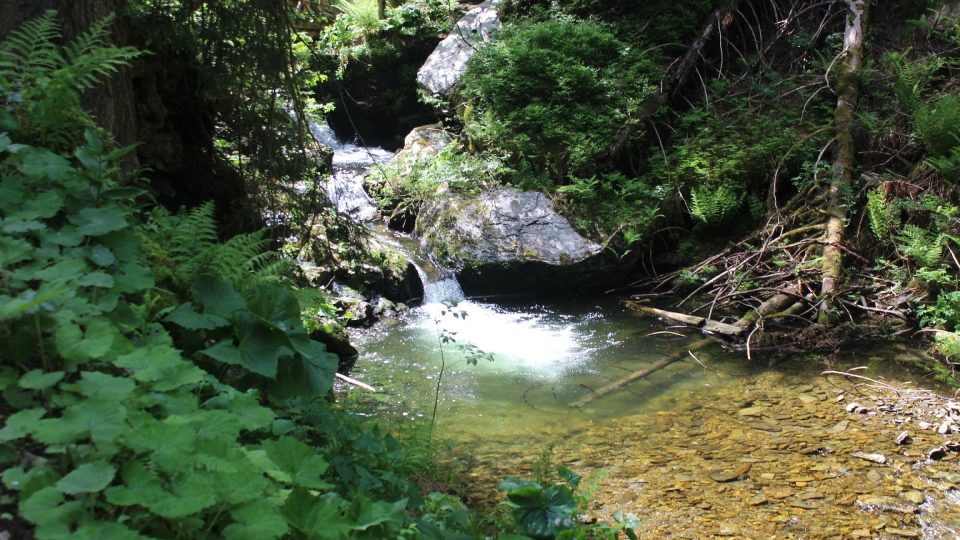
<point>777,456</point>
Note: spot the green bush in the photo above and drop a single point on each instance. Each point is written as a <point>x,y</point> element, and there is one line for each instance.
<point>939,126</point>
<point>552,94</point>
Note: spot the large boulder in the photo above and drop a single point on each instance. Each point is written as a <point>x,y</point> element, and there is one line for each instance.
<point>506,240</point>
<point>442,70</point>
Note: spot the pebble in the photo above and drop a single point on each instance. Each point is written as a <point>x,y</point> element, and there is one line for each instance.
<point>752,411</point>
<point>945,428</point>
<point>876,458</point>
<point>903,438</point>
<point>906,533</point>
<point>913,496</point>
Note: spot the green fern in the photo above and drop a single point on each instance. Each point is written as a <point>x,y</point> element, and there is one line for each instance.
<point>41,81</point>
<point>881,217</point>
<point>184,247</point>
<point>714,204</point>
<point>921,245</point>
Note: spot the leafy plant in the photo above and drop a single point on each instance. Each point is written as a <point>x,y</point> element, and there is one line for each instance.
<point>544,509</point>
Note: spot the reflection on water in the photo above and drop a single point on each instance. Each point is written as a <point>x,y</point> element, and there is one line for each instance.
<point>665,440</point>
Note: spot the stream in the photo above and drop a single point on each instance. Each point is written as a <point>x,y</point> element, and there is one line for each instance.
<point>714,446</point>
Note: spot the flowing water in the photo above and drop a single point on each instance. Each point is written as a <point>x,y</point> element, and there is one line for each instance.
<point>710,446</point>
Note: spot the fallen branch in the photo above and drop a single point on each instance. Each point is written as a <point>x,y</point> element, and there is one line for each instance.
<point>679,354</point>
<point>354,382</point>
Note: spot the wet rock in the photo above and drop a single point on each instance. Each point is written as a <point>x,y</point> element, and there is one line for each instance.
<point>778,492</point>
<point>765,426</point>
<point>903,438</point>
<point>946,428</point>
<point>506,240</point>
<point>758,500</point>
<point>913,496</point>
<point>905,533</point>
<point>809,494</point>
<point>876,458</point>
<point>881,503</point>
<point>752,411</point>
<point>443,69</point>
<point>729,476</point>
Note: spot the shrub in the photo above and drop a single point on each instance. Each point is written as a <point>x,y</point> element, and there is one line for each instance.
<point>552,94</point>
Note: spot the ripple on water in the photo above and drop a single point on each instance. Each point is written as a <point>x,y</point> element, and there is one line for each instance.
<point>666,440</point>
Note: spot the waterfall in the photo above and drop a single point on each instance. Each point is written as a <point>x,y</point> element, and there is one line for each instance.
<point>345,190</point>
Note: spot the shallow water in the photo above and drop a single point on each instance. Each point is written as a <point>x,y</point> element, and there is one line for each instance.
<point>661,442</point>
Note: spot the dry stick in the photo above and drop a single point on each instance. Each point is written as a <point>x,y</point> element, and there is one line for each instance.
<point>355,382</point>
<point>848,93</point>
<point>679,354</point>
<point>767,307</point>
<point>675,79</point>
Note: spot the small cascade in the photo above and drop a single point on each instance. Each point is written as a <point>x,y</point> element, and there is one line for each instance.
<point>350,164</point>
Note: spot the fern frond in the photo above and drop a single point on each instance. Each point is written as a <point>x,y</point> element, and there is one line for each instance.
<point>32,47</point>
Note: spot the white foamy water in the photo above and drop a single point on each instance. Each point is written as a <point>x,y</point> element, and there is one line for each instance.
<point>350,164</point>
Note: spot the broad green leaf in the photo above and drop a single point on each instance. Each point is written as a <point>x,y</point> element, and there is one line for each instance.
<point>104,421</point>
<point>256,521</point>
<point>96,385</point>
<point>67,236</point>
<point>317,517</point>
<point>309,374</point>
<point>225,352</point>
<point>21,424</point>
<point>98,279</point>
<point>99,221</point>
<point>277,306</point>
<point>38,380</point>
<point>87,478</point>
<point>123,193</point>
<point>100,530</point>
<point>15,307</point>
<point>186,317</point>
<point>14,250</point>
<point>4,141</point>
<point>296,463</point>
<point>133,277</point>
<point>47,510</point>
<point>80,346</point>
<point>262,347</point>
<point>102,256</point>
<point>376,513</point>
<point>217,297</point>
<point>162,367</point>
<point>45,205</point>
<point>41,163</point>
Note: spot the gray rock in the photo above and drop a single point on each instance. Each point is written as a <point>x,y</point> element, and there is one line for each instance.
<point>506,240</point>
<point>876,458</point>
<point>447,63</point>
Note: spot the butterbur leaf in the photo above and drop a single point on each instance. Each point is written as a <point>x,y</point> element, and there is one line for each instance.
<point>47,510</point>
<point>262,347</point>
<point>42,163</point>
<point>21,424</point>
<point>296,463</point>
<point>87,478</point>
<point>99,221</point>
<point>102,256</point>
<point>14,250</point>
<point>225,352</point>
<point>80,346</point>
<point>318,517</point>
<point>571,478</point>
<point>217,297</point>
<point>96,385</point>
<point>97,530</point>
<point>98,279</point>
<point>38,380</point>
<point>256,521</point>
<point>4,142</point>
<point>186,317</point>
<point>278,307</point>
<point>161,366</point>
<point>378,513</point>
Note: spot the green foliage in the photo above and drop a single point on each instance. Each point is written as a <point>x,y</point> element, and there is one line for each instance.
<point>880,214</point>
<point>945,313</point>
<point>41,81</point>
<point>129,415</point>
<point>539,90</point>
<point>182,248</point>
<point>939,125</point>
<point>548,509</point>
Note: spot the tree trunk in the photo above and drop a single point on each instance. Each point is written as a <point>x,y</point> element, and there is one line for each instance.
<point>677,76</point>
<point>848,92</point>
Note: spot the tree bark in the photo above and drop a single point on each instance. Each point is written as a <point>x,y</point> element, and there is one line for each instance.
<point>676,78</point>
<point>848,92</point>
